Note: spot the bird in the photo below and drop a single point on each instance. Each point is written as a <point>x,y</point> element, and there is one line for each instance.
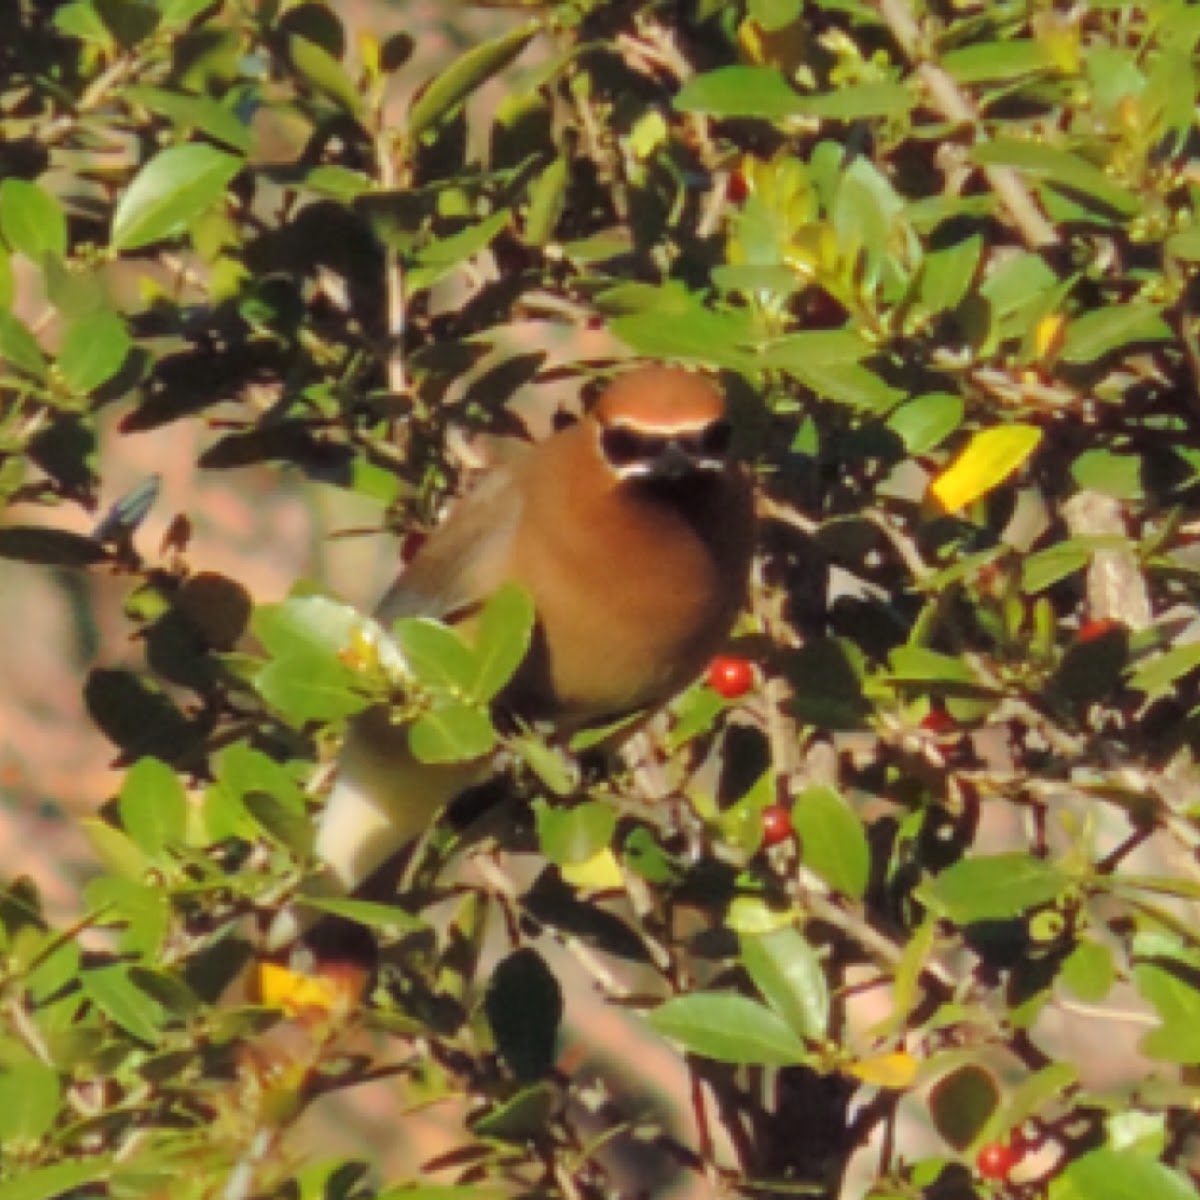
<point>632,531</point>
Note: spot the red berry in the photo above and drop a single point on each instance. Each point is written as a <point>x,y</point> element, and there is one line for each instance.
<point>822,311</point>
<point>776,824</point>
<point>1093,631</point>
<point>737,189</point>
<point>996,1160</point>
<point>730,676</point>
<point>411,543</point>
<point>938,720</point>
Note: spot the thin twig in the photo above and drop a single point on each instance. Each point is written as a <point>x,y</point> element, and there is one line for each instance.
<point>954,104</point>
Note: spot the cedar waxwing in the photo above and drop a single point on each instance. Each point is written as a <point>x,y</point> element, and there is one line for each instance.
<point>633,535</point>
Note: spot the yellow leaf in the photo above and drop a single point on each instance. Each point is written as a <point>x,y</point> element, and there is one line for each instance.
<point>1048,335</point>
<point>596,874</point>
<point>750,915</point>
<point>787,48</point>
<point>990,457</point>
<point>895,1070</point>
<point>295,993</point>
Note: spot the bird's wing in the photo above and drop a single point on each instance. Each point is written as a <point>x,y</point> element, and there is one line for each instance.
<point>466,557</point>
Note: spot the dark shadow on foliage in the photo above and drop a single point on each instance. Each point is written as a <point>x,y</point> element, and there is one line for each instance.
<point>50,547</point>
<point>63,450</point>
<point>552,903</point>
<point>187,383</point>
<point>139,720</point>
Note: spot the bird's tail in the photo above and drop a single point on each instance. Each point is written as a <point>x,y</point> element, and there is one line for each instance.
<point>382,799</point>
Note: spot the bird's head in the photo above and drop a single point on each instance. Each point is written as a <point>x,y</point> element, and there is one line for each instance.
<point>662,424</point>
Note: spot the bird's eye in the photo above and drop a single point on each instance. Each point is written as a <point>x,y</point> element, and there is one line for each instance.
<point>716,438</point>
<point>620,446</point>
<point>623,446</point>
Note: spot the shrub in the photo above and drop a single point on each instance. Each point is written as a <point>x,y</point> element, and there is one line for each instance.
<point>943,263</point>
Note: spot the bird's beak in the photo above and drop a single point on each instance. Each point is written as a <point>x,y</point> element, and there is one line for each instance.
<point>673,463</point>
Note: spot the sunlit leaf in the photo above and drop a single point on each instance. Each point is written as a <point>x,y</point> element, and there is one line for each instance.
<point>728,1028</point>
<point>995,887</point>
<point>174,187</point>
<point>988,459</point>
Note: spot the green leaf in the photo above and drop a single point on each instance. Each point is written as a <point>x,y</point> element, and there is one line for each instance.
<point>1060,169</point>
<point>464,76</point>
<point>30,1093</point>
<point>388,919</point>
<point>826,675</point>
<point>191,112</point>
<point>961,1104</point>
<point>142,908</point>
<point>519,1119</point>
<point>860,102</point>
<point>927,421</point>
<point>553,768</point>
<point>762,92</point>
<point>8,287</point>
<point>695,713</point>
<point>524,1007</point>
<point>173,188</point>
<point>179,12</point>
<point>754,280</point>
<point>19,348</point>
<point>310,686</point>
<point>437,655</point>
<point>997,62</point>
<point>1106,1174</point>
<point>1113,474</point>
<point>547,201</point>
<point>682,328</point>
<point>341,183</point>
<point>114,992</point>
<point>643,853</point>
<point>57,1180</point>
<point>833,842</point>
<point>31,220</point>
<point>1089,972</point>
<point>915,664</point>
<point>1185,245</point>
<point>788,973</point>
<point>1123,327</point>
<point>320,69</point>
<point>829,363</point>
<point>1158,676</point>
<point>289,829</point>
<point>81,20</point>
<point>115,850</point>
<point>93,350</point>
<point>1028,1097</point>
<point>130,21</point>
<point>739,92</point>
<point>309,623</point>
<point>1169,986</point>
<point>153,807</point>
<point>439,258</point>
<point>503,633</point>
<point>1046,567</point>
<point>451,732</point>
<point>946,275</point>
<point>1015,287</point>
<point>775,14</point>
<point>573,835</point>
<point>728,1028</point>
<point>1173,1042</point>
<point>242,769</point>
<point>994,888</point>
